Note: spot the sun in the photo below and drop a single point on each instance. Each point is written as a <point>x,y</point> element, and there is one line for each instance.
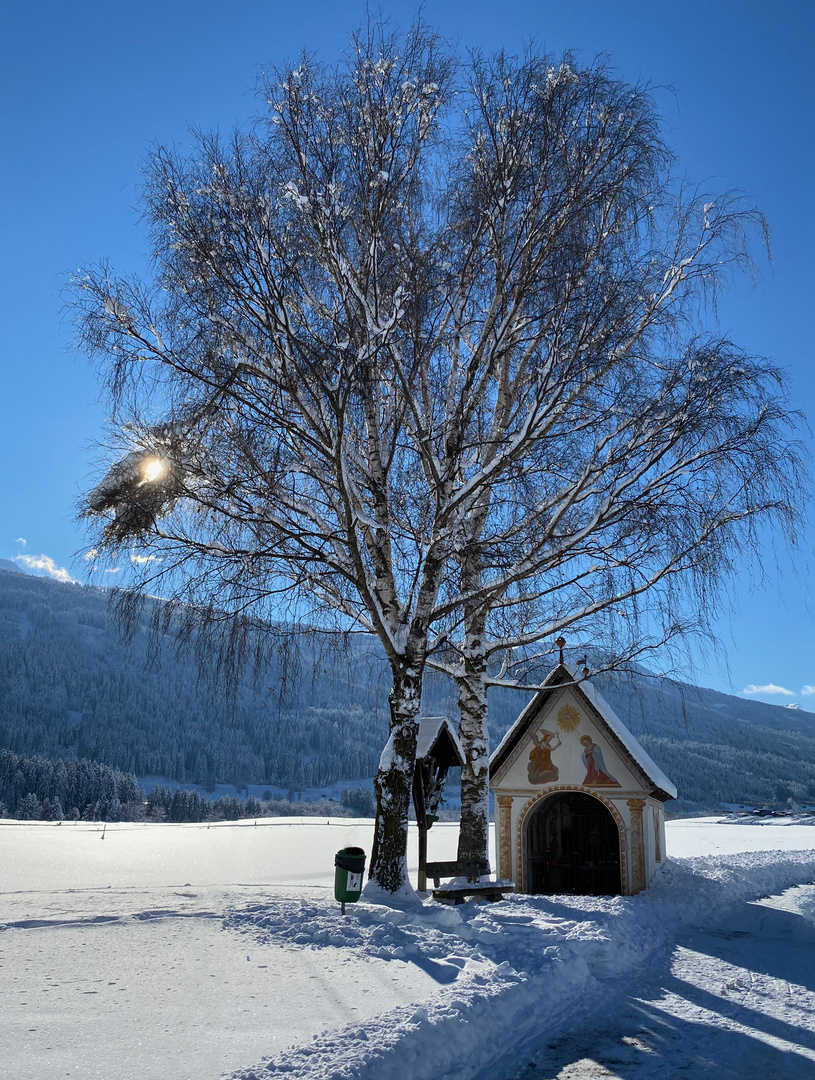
<point>152,470</point>
<point>568,718</point>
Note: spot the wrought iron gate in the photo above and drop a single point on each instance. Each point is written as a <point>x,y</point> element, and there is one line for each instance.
<point>572,846</point>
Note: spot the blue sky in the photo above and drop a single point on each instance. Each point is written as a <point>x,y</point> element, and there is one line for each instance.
<point>87,87</point>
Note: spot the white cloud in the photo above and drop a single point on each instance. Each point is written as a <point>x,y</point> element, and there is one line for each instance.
<point>113,570</point>
<point>47,565</point>
<point>90,554</point>
<point>808,689</point>
<point>140,559</point>
<point>21,540</point>
<point>770,688</point>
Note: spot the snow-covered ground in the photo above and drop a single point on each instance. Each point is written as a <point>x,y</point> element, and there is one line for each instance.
<point>185,952</point>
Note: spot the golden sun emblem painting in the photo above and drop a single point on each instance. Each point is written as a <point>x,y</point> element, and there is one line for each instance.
<point>568,718</point>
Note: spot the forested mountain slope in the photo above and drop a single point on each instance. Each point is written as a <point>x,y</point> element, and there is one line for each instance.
<point>717,747</point>
<point>70,688</point>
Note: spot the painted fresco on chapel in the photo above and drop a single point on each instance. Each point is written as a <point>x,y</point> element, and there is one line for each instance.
<point>597,775</point>
<point>542,769</point>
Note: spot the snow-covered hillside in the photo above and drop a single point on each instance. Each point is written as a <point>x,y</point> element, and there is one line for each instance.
<point>172,952</point>
<point>70,688</point>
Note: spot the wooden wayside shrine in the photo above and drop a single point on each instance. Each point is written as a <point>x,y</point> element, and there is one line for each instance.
<point>437,751</point>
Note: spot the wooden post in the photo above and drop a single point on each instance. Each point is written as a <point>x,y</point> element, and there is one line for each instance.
<point>422,859</point>
<point>421,824</point>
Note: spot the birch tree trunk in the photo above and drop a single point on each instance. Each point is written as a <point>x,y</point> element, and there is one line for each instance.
<point>393,782</point>
<point>473,837</point>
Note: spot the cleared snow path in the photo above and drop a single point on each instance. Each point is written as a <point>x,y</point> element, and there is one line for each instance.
<point>531,967</point>
<point>735,1001</point>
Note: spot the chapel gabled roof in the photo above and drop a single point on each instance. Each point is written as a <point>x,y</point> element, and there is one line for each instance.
<point>565,675</point>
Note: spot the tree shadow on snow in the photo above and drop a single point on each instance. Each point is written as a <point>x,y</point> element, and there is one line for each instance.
<point>684,1019</point>
<point>766,940</point>
<point>442,971</point>
<point>648,1042</point>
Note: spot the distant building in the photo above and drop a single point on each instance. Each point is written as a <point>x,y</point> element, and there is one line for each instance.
<point>580,804</point>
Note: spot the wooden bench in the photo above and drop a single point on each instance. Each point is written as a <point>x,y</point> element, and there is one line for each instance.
<point>465,882</point>
<point>453,868</point>
<point>458,891</point>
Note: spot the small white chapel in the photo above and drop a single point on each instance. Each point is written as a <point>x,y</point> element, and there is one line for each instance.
<point>579,803</point>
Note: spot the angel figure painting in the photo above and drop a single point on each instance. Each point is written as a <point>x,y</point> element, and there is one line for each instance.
<point>540,769</point>
<point>597,775</point>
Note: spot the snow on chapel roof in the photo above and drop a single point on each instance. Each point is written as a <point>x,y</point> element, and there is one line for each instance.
<point>565,674</point>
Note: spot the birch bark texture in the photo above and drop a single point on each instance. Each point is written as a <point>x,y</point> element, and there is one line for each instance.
<point>423,355</point>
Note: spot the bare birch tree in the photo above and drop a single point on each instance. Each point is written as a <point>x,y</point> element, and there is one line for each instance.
<point>649,447</point>
<point>415,358</point>
<point>255,386</point>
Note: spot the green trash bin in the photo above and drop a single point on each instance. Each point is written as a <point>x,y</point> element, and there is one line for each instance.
<point>349,866</point>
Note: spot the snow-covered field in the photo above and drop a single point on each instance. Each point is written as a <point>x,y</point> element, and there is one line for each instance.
<point>186,952</point>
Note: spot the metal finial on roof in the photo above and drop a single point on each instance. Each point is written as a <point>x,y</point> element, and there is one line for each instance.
<point>560,642</point>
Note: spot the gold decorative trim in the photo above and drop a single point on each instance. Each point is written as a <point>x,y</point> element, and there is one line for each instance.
<point>638,882</point>
<point>568,718</point>
<point>526,792</point>
<point>504,836</point>
<point>593,792</point>
<point>657,836</point>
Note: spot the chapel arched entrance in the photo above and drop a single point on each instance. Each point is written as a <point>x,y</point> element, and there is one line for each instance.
<point>572,846</point>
